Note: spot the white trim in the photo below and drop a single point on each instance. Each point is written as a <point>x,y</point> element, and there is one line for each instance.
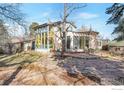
<point>42,50</point>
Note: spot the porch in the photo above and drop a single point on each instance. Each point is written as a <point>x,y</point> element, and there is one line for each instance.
<point>81,41</point>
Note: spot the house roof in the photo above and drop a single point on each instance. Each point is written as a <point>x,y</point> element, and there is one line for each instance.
<point>116,43</point>
<point>53,24</point>
<point>88,32</point>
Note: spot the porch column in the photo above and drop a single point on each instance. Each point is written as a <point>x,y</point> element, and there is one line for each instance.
<point>84,42</point>
<point>48,37</point>
<point>90,42</point>
<point>72,36</point>
<point>41,39</point>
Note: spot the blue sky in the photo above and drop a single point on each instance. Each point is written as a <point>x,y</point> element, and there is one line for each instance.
<point>93,14</point>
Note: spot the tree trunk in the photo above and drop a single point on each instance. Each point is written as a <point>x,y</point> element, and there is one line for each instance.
<point>10,48</point>
<point>64,30</point>
<point>63,43</point>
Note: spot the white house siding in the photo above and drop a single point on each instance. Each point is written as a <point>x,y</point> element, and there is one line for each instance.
<point>93,42</point>
<point>57,40</point>
<point>75,41</point>
<point>42,50</point>
<point>74,36</point>
<point>100,44</point>
<point>69,34</point>
<point>26,45</point>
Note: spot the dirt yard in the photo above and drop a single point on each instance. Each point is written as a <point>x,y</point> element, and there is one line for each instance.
<point>36,69</point>
<point>102,67</point>
<point>41,69</point>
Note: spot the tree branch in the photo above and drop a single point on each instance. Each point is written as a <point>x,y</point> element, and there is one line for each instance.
<point>71,9</point>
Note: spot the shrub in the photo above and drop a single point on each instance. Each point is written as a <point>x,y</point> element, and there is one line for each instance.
<point>1,50</point>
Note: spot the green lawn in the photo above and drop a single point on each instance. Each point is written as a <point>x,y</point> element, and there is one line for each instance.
<point>19,59</point>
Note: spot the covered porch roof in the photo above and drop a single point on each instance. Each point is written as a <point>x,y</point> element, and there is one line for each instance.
<point>86,33</point>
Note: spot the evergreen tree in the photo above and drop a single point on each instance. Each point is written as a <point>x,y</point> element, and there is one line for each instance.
<point>116,11</point>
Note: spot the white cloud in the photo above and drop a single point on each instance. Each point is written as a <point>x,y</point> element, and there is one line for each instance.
<point>45,14</point>
<point>87,16</point>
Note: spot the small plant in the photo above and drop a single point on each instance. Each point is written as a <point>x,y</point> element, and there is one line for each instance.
<point>1,51</point>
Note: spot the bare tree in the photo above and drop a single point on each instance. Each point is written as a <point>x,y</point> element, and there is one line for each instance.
<point>68,10</point>
<point>4,37</point>
<point>11,13</point>
<point>32,29</point>
<point>3,33</point>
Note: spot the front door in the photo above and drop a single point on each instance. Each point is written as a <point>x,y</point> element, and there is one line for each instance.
<point>33,45</point>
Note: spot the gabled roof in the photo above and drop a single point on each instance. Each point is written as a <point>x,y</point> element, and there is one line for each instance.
<point>87,32</point>
<point>53,24</point>
<point>46,24</point>
<point>116,43</point>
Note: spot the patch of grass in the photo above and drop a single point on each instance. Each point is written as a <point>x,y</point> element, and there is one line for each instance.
<point>21,58</point>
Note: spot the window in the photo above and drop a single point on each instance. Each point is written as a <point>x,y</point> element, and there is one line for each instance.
<point>99,43</point>
<point>42,40</point>
<point>51,38</point>
<point>51,42</point>
<point>45,37</point>
<point>38,40</point>
<point>81,42</point>
<point>75,42</point>
<point>87,42</point>
<point>68,42</point>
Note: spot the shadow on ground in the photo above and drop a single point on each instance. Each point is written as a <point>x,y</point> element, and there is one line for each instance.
<point>13,60</point>
<point>102,71</point>
<point>10,79</point>
<point>19,61</point>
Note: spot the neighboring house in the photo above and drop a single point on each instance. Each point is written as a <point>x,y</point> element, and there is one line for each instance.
<point>116,47</point>
<point>23,44</point>
<point>18,44</point>
<point>13,45</point>
<point>29,44</point>
<point>48,37</point>
<point>105,43</point>
<point>99,42</point>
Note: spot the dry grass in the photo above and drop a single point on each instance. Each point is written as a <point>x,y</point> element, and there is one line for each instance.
<point>107,55</point>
